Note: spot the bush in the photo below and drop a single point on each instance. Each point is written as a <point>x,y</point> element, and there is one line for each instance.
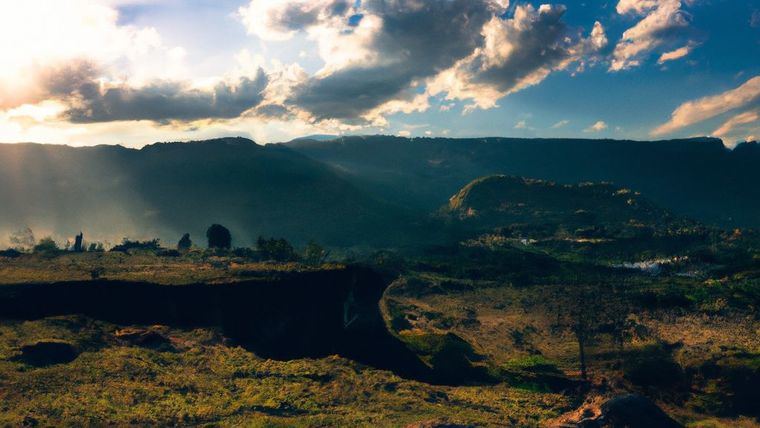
<point>219,237</point>
<point>276,249</point>
<point>127,245</point>
<point>46,246</point>
<point>652,366</point>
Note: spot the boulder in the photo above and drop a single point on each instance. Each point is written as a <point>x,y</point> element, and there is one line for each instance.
<point>150,337</point>
<point>48,352</point>
<point>629,411</point>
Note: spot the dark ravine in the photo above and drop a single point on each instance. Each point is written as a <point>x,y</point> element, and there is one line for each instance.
<point>303,315</point>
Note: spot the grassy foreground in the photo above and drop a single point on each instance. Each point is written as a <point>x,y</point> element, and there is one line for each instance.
<point>200,380</point>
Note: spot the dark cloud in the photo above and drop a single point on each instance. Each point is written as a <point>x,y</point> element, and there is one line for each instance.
<point>296,16</point>
<point>417,40</point>
<point>541,41</point>
<point>76,85</point>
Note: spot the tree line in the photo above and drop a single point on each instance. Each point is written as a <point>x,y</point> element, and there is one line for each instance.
<point>218,240</point>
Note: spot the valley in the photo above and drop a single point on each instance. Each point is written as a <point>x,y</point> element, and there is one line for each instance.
<point>513,301</point>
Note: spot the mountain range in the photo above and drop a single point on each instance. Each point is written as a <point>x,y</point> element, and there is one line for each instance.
<point>373,191</point>
<point>699,177</point>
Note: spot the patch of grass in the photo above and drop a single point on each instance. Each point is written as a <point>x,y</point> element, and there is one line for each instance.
<point>142,266</point>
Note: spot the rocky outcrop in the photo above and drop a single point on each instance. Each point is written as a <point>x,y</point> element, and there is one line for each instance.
<point>626,411</point>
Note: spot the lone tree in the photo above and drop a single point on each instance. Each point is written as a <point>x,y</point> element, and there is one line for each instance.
<point>78,244</point>
<point>185,243</point>
<point>588,310</point>
<point>219,237</point>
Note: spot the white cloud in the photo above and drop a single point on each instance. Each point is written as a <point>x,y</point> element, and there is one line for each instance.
<point>37,35</point>
<point>675,54</point>
<point>661,23</point>
<point>521,125</point>
<point>740,126</point>
<point>599,126</point>
<point>692,112</point>
<point>560,124</point>
<point>387,56</point>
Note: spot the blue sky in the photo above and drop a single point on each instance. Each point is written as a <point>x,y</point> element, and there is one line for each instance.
<point>136,71</point>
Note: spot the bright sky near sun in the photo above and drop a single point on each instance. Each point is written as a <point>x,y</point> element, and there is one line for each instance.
<point>133,72</point>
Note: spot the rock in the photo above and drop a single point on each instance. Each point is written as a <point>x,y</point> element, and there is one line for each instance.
<point>48,352</point>
<point>150,337</point>
<point>629,411</point>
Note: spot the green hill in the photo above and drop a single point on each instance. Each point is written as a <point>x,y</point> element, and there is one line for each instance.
<point>547,208</point>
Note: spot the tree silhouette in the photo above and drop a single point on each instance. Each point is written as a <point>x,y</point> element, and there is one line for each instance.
<point>46,246</point>
<point>219,237</point>
<point>588,309</point>
<point>78,243</point>
<point>23,240</point>
<point>276,249</point>
<point>185,243</point>
<point>314,254</point>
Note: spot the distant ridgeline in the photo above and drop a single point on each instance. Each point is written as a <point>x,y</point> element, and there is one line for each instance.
<point>698,177</point>
<point>166,190</point>
<point>353,191</point>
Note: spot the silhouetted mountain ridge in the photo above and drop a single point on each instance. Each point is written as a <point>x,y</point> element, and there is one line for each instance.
<point>167,189</point>
<point>697,177</point>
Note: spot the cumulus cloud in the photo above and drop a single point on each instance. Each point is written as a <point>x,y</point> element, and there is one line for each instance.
<point>560,124</point>
<point>281,20</point>
<point>36,35</point>
<point>599,126</point>
<point>387,56</point>
<point>663,24</point>
<point>518,52</point>
<point>376,63</point>
<point>86,97</point>
<point>692,112</point>
<point>164,101</point>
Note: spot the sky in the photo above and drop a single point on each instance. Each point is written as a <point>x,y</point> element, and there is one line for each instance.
<point>133,72</point>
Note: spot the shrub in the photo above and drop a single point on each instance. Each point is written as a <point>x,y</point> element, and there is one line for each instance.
<point>276,249</point>
<point>127,245</point>
<point>314,254</point>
